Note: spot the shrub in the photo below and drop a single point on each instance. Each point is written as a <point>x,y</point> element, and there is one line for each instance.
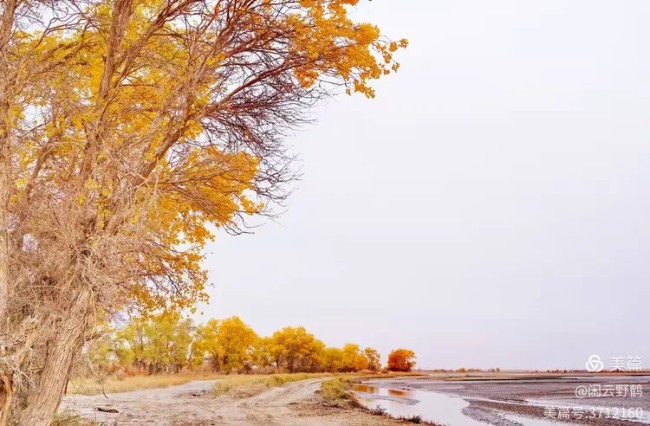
<point>378,411</point>
<point>336,390</point>
<point>413,419</point>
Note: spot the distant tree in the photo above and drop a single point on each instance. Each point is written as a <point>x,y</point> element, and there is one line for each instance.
<point>130,344</point>
<point>158,344</point>
<point>314,362</point>
<point>229,343</point>
<point>353,359</point>
<point>373,359</point>
<point>169,338</point>
<point>262,356</point>
<point>294,349</point>
<point>333,359</point>
<point>401,360</point>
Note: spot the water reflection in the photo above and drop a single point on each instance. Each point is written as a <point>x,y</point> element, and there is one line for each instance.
<point>366,389</point>
<point>431,406</point>
<point>398,393</point>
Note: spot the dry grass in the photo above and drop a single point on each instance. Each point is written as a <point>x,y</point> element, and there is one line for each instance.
<point>247,386</point>
<point>90,386</point>
<point>67,419</point>
<point>239,386</point>
<point>336,391</point>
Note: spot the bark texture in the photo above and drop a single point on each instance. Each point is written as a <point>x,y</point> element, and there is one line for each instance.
<point>58,362</point>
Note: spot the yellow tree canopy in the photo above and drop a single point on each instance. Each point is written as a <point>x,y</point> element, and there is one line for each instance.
<point>134,126</point>
<point>229,343</point>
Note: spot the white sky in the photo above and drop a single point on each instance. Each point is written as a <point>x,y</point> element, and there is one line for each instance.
<point>491,208</point>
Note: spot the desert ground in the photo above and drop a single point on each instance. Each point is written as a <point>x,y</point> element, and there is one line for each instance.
<point>193,404</point>
<point>459,400</point>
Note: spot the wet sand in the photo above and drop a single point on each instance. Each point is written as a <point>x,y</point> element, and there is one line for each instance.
<point>539,401</point>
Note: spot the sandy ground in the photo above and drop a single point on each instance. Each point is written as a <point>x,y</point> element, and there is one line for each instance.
<point>191,404</point>
<point>490,400</point>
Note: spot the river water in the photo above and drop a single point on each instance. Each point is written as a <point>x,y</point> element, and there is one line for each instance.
<point>431,406</point>
<point>442,408</point>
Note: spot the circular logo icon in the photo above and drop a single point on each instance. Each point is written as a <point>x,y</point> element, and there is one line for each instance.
<point>595,364</point>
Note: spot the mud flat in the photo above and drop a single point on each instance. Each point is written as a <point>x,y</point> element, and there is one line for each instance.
<point>535,401</point>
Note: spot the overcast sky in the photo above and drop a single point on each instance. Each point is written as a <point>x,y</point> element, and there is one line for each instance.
<point>491,208</point>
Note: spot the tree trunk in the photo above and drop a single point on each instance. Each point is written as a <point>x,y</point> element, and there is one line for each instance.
<point>6,397</point>
<point>6,375</point>
<point>47,396</point>
<point>4,252</point>
<point>6,27</point>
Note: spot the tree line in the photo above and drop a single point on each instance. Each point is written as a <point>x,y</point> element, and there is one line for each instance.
<point>168,343</point>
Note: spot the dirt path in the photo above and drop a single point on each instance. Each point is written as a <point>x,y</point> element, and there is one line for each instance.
<point>153,406</point>
<point>294,404</point>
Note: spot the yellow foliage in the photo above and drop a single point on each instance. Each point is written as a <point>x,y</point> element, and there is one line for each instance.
<point>229,343</point>
<point>146,127</point>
